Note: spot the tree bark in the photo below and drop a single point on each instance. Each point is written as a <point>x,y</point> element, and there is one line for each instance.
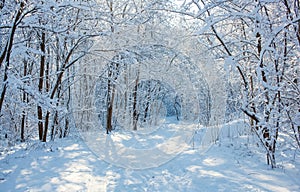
<point>110,102</point>
<point>40,85</point>
<point>24,100</point>
<point>135,114</point>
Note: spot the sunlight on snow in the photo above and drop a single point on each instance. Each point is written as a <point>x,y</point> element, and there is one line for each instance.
<point>204,172</point>
<point>213,161</point>
<point>140,151</point>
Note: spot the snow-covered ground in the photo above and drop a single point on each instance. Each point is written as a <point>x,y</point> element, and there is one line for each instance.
<point>167,159</point>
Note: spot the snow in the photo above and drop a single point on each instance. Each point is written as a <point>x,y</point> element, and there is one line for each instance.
<point>126,161</point>
<point>130,149</point>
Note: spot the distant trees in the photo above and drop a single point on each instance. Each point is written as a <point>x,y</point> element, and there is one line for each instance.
<point>259,40</point>
<point>147,83</point>
<point>131,24</point>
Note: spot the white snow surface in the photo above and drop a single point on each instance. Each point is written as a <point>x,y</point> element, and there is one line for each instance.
<point>162,160</point>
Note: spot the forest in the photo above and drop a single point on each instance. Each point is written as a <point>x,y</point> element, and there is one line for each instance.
<point>116,65</point>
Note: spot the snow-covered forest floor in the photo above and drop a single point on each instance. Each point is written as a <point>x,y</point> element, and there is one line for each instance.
<point>73,164</point>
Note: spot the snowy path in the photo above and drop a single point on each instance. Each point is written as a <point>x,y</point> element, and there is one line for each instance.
<point>70,165</point>
<point>133,150</point>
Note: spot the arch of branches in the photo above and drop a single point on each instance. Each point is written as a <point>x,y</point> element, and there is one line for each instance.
<point>145,84</point>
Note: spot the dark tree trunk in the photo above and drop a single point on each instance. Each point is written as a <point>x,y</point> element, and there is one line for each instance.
<point>40,85</point>
<point>110,102</point>
<point>135,114</point>
<point>46,126</point>
<point>146,111</point>
<point>24,100</point>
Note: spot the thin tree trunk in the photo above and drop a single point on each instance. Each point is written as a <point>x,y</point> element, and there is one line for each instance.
<point>66,129</point>
<point>54,124</point>
<point>24,99</point>
<point>110,102</point>
<point>40,85</point>
<point>46,126</point>
<point>135,114</point>
<point>148,98</point>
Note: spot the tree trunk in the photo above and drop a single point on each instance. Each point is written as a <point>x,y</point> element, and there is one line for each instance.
<point>135,114</point>
<point>110,102</point>
<point>40,85</point>
<point>46,126</point>
<point>148,98</point>
<point>24,99</point>
<point>54,124</point>
<point>66,129</point>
